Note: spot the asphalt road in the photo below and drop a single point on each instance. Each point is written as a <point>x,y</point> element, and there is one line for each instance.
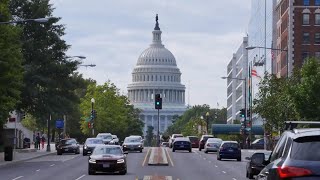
<point>183,166</point>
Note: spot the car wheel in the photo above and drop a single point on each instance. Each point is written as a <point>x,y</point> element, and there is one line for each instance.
<point>59,152</point>
<point>239,159</point>
<point>249,175</point>
<point>206,152</point>
<point>190,150</point>
<point>78,151</point>
<point>199,149</point>
<point>123,172</point>
<point>84,153</point>
<point>173,150</point>
<point>91,172</point>
<point>218,158</point>
<point>141,150</point>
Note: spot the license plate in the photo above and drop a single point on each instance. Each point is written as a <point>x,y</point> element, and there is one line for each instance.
<point>131,148</point>
<point>230,150</point>
<point>182,146</point>
<point>105,165</point>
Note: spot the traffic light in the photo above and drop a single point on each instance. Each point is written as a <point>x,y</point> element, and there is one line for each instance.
<point>89,125</point>
<point>93,114</point>
<point>248,112</point>
<point>158,102</point>
<point>242,113</point>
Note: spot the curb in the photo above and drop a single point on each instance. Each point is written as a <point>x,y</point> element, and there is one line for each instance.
<point>25,159</point>
<point>154,153</point>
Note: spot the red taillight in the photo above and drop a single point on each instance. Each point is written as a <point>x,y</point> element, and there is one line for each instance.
<point>288,172</point>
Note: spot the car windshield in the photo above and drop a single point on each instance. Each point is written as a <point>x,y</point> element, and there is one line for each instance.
<point>232,145</point>
<point>132,140</point>
<point>68,141</point>
<point>214,140</point>
<point>306,148</point>
<point>104,136</point>
<point>193,138</point>
<point>94,141</point>
<point>107,150</point>
<point>205,138</point>
<point>177,135</point>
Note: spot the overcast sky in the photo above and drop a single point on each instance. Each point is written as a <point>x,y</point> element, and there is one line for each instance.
<point>202,35</point>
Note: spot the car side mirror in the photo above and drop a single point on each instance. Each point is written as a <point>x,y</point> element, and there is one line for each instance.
<point>248,158</point>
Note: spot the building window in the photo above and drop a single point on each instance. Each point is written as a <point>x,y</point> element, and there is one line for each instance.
<point>317,19</point>
<point>305,55</point>
<point>317,54</point>
<point>306,38</point>
<point>306,19</point>
<point>317,2</point>
<point>306,2</point>
<point>317,38</point>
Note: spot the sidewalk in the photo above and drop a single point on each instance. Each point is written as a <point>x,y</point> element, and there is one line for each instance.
<point>27,154</point>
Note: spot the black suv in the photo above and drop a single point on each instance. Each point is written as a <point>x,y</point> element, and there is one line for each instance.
<point>296,156</point>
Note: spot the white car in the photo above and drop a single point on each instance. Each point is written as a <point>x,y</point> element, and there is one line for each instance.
<point>115,140</point>
<point>212,145</point>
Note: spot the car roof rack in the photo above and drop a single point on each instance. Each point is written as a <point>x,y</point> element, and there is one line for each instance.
<point>290,125</point>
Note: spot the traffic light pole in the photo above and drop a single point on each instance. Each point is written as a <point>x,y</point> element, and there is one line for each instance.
<point>158,133</point>
<point>92,124</point>
<point>245,111</point>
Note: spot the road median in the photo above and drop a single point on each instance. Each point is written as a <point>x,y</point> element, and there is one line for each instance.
<point>158,157</point>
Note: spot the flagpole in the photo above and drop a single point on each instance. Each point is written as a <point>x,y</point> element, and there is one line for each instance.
<point>250,96</point>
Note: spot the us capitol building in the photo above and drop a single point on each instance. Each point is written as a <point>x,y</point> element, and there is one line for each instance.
<point>156,72</point>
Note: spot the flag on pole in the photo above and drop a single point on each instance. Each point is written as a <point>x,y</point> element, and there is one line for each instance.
<point>254,73</point>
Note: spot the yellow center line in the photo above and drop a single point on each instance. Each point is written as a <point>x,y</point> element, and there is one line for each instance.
<point>168,155</point>
<point>145,158</point>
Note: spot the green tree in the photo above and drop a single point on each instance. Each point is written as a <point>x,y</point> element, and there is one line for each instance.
<point>30,122</point>
<point>11,71</point>
<point>306,93</point>
<point>114,112</point>
<point>49,81</point>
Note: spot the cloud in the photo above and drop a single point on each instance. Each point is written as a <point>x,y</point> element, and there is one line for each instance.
<point>201,35</point>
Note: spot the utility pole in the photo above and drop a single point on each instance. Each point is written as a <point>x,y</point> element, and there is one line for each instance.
<point>48,145</point>
<point>92,116</point>
<point>64,126</point>
<point>158,106</point>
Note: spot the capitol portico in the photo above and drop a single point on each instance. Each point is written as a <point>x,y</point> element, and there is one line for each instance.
<point>156,72</point>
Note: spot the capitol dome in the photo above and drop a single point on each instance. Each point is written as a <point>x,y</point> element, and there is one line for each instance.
<point>156,72</point>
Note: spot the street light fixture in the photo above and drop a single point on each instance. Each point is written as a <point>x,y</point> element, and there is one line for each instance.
<point>38,20</point>
<point>88,65</point>
<point>245,104</point>
<point>207,118</point>
<point>276,49</point>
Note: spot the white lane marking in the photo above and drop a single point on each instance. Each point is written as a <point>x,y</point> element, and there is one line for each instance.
<point>17,178</point>
<point>38,170</point>
<point>204,158</point>
<point>223,171</point>
<point>52,165</point>
<point>234,179</point>
<point>80,177</point>
<point>215,166</point>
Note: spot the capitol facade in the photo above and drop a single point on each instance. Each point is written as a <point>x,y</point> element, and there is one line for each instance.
<point>156,72</point>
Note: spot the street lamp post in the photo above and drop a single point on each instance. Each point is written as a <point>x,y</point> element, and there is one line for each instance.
<point>48,136</point>
<point>201,129</point>
<point>207,118</point>
<point>245,102</point>
<point>92,123</point>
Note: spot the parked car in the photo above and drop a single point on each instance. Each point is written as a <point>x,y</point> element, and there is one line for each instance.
<point>258,144</point>
<point>212,145</point>
<point>69,145</point>
<point>106,137</point>
<point>254,166</point>
<point>171,140</point>
<point>90,144</point>
<point>132,143</point>
<point>295,156</point>
<point>194,141</point>
<point>107,158</point>
<point>26,143</point>
<point>115,140</point>
<point>203,141</point>
<point>182,143</point>
<point>229,150</point>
